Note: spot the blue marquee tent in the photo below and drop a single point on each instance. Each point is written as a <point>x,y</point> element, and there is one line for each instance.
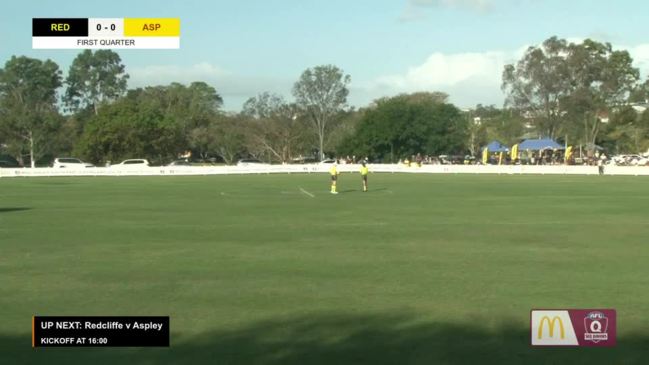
<point>495,146</point>
<point>539,144</point>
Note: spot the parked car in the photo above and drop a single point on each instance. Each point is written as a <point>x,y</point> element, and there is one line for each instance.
<point>451,159</point>
<point>328,161</point>
<point>133,163</point>
<point>180,163</point>
<point>641,161</point>
<point>304,160</point>
<point>70,162</point>
<point>470,160</point>
<point>629,160</point>
<point>8,163</point>
<point>250,162</point>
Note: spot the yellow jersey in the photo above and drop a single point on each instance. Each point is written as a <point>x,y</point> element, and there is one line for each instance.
<point>364,170</point>
<point>333,170</point>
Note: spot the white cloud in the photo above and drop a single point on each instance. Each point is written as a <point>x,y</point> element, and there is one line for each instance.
<point>234,88</point>
<point>640,55</point>
<point>441,70</point>
<point>165,74</point>
<point>416,9</point>
<point>469,78</point>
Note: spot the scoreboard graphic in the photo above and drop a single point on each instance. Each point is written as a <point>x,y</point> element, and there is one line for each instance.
<point>101,33</point>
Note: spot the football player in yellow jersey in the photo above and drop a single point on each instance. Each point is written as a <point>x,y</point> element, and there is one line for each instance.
<point>364,171</point>
<point>333,171</point>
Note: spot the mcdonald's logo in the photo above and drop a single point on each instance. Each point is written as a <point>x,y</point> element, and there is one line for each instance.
<point>551,323</point>
<point>552,328</point>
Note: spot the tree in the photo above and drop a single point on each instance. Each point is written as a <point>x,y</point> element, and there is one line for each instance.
<point>28,113</point>
<point>274,127</point>
<point>131,127</point>
<point>477,120</point>
<point>262,106</point>
<point>402,126</point>
<point>422,97</point>
<point>204,139</point>
<point>230,138</point>
<point>321,93</point>
<point>569,88</point>
<point>629,130</point>
<point>640,93</point>
<point>94,78</point>
<point>477,133</point>
<point>537,83</point>
<point>343,132</point>
<point>192,106</point>
<point>488,123</point>
<point>193,109</point>
<point>157,123</point>
<point>601,80</point>
<point>508,127</point>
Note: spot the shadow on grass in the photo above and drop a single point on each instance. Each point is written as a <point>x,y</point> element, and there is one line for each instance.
<point>13,209</point>
<point>340,339</point>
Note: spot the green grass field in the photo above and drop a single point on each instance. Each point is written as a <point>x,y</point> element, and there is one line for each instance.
<point>422,269</point>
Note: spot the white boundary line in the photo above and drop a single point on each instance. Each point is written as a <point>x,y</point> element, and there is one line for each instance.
<point>306,192</point>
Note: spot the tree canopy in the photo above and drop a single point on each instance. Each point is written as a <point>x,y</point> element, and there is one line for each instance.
<point>28,112</point>
<point>404,125</point>
<point>569,88</point>
<point>94,78</point>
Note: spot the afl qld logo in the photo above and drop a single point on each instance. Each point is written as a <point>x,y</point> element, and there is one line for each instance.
<point>595,327</point>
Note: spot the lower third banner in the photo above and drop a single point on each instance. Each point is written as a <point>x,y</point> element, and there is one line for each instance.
<point>100,331</point>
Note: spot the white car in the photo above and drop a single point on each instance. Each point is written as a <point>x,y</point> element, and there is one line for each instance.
<point>70,163</point>
<point>250,162</point>
<point>642,161</point>
<point>629,160</point>
<point>134,163</point>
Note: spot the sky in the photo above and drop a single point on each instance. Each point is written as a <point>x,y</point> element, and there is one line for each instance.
<point>246,47</point>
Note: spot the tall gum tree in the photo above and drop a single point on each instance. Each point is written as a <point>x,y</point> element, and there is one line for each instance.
<point>28,112</point>
<point>321,93</point>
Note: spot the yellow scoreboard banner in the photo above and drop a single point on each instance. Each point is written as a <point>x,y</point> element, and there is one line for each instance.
<point>151,27</point>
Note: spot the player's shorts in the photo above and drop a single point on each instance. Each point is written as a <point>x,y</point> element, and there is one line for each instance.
<point>364,177</point>
<point>334,177</point>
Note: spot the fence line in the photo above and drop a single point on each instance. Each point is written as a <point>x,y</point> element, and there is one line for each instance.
<point>320,168</point>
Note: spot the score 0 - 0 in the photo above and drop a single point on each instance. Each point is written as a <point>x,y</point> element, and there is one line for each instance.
<point>106,27</point>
